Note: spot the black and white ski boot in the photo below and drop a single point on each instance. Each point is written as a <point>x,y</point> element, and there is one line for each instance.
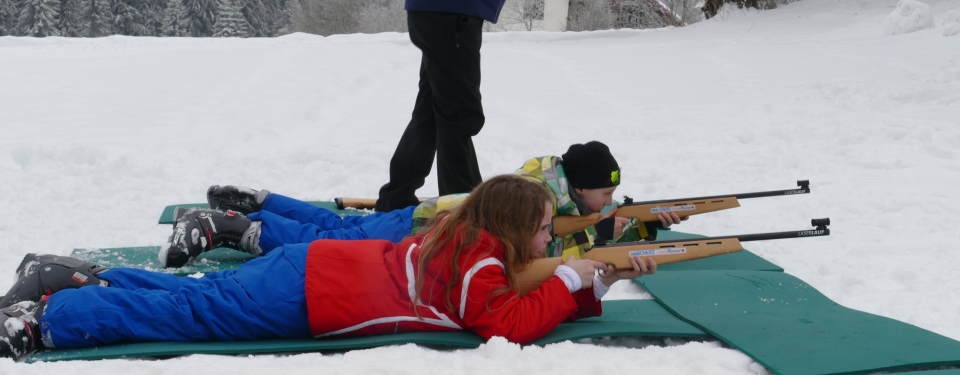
<point>237,198</point>
<point>44,274</point>
<point>198,230</point>
<point>20,335</point>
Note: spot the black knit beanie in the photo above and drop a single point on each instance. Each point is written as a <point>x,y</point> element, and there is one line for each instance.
<point>591,166</point>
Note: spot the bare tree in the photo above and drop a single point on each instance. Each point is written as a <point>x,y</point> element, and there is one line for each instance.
<point>711,7</point>
<point>521,14</point>
<point>328,17</point>
<point>642,14</point>
<point>377,16</point>
<point>686,11</point>
<point>325,17</point>
<point>586,15</point>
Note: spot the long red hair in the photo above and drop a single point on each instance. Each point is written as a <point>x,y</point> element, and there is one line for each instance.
<point>508,207</point>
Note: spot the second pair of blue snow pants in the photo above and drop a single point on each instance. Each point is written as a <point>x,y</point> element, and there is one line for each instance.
<point>288,221</point>
<point>263,299</point>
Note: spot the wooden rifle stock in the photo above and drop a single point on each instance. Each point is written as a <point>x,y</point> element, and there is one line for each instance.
<point>646,212</point>
<point>619,257</point>
<point>663,252</point>
<point>345,202</point>
<point>359,203</point>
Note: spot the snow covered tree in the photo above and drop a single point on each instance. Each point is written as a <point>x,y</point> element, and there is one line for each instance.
<point>69,22</point>
<point>528,14</point>
<point>711,7</point>
<point>127,19</point>
<point>201,15</point>
<point>283,20</point>
<point>255,14</point>
<point>8,17</point>
<point>326,17</point>
<point>642,14</point>
<point>39,18</point>
<point>377,16</point>
<point>230,21</point>
<point>586,15</point>
<point>151,17</point>
<point>686,11</point>
<point>278,16</point>
<point>174,19</point>
<point>96,19</point>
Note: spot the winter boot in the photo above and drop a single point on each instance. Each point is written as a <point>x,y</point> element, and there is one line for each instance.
<point>198,230</point>
<point>43,274</point>
<point>237,198</point>
<point>20,335</point>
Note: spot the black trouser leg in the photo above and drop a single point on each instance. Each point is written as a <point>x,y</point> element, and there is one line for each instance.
<point>413,157</point>
<point>447,112</point>
<point>455,76</point>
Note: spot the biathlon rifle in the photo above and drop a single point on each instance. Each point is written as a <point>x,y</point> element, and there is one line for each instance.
<point>663,252</point>
<point>646,212</point>
<point>573,224</point>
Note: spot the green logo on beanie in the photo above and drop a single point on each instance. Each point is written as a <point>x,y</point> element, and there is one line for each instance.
<point>615,177</point>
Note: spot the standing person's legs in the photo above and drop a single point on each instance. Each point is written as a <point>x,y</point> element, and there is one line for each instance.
<point>413,158</point>
<point>263,299</point>
<point>455,78</point>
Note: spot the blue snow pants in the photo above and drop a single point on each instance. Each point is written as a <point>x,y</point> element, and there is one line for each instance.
<point>288,221</point>
<point>263,299</point>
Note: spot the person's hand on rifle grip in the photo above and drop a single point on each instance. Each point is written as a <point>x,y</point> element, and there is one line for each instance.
<point>610,275</point>
<point>585,268</point>
<point>669,218</point>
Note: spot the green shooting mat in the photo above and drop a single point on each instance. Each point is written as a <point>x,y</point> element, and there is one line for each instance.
<point>791,328</point>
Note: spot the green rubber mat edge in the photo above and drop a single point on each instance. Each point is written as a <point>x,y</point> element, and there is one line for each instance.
<point>643,318</point>
<point>791,328</point>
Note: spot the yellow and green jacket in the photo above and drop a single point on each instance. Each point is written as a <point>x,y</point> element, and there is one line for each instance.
<point>429,208</point>
<point>548,170</point>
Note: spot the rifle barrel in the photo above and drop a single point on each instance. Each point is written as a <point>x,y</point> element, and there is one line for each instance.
<point>820,230</point>
<point>804,188</point>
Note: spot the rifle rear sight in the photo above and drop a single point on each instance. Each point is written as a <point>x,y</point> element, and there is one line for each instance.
<point>820,223</point>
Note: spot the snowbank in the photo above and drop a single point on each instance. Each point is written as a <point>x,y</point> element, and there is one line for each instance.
<point>909,16</point>
<point>951,23</point>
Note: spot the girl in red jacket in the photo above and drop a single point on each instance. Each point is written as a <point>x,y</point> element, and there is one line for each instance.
<point>458,275</point>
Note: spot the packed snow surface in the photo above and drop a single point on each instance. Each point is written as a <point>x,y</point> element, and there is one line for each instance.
<point>98,135</point>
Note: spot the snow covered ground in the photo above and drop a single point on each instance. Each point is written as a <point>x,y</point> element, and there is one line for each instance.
<point>99,135</point>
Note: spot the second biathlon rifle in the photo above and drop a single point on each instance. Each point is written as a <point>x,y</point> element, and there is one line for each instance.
<point>646,212</point>
<point>663,252</point>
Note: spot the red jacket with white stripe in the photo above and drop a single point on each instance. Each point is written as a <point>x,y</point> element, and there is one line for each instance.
<point>358,288</point>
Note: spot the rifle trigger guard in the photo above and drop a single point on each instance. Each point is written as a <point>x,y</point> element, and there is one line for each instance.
<point>604,274</point>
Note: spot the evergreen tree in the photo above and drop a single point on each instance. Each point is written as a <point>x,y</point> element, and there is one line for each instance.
<point>39,18</point>
<point>278,15</point>
<point>96,19</point>
<point>8,17</point>
<point>200,17</point>
<point>151,17</point>
<point>70,13</point>
<point>255,13</point>
<point>230,21</point>
<point>173,19</point>
<point>127,19</point>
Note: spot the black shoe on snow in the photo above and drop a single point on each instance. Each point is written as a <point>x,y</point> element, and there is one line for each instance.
<point>237,198</point>
<point>198,230</point>
<point>20,335</point>
<point>44,274</point>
